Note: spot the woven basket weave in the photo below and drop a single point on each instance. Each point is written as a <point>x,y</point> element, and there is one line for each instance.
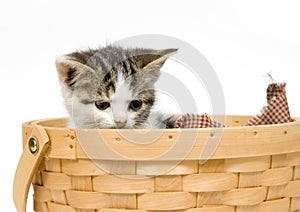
<point>253,169</point>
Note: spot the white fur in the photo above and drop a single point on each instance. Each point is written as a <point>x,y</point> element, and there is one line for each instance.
<point>119,101</point>
<point>89,116</point>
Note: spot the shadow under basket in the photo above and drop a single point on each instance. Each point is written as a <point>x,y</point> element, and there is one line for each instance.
<point>236,168</point>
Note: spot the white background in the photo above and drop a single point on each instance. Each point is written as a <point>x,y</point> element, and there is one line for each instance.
<point>242,40</point>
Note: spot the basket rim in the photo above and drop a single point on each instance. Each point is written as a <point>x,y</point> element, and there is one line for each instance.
<point>234,141</point>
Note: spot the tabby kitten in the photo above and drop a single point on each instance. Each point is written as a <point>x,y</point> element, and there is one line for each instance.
<point>113,87</point>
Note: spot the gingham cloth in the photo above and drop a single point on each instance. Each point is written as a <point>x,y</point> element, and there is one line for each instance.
<point>277,111</point>
<point>196,121</point>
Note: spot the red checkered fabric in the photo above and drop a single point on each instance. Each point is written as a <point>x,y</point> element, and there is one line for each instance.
<point>277,110</point>
<point>196,121</point>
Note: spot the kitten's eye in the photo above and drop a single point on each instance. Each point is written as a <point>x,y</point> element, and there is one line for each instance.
<point>102,105</point>
<point>135,105</point>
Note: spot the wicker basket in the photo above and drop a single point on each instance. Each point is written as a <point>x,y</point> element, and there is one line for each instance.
<point>253,169</point>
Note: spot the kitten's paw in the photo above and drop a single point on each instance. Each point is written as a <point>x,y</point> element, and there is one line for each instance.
<point>171,120</point>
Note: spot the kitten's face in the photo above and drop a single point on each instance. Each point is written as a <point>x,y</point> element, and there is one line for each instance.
<point>110,87</point>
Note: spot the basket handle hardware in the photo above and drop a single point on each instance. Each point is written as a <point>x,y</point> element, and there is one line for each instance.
<point>28,164</point>
<point>33,145</point>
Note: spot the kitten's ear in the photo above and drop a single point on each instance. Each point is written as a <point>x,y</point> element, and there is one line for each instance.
<point>69,69</point>
<point>154,60</point>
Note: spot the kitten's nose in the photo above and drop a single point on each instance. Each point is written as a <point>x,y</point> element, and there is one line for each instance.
<point>120,124</point>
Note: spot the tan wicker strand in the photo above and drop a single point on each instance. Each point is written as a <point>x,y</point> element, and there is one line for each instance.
<point>296,173</point>
<point>207,182</point>
<point>56,181</point>
<point>59,207</point>
<point>276,176</point>
<point>59,197</point>
<point>40,206</point>
<point>167,167</point>
<point>248,164</point>
<point>88,200</point>
<point>81,168</point>
<point>41,194</point>
<point>213,209</point>
<point>123,185</point>
<point>246,173</point>
<point>279,205</point>
<point>249,179</point>
<point>128,201</point>
<point>165,200</point>
<point>171,183</point>
<point>275,192</point>
<point>119,210</point>
<point>275,205</point>
<point>295,204</point>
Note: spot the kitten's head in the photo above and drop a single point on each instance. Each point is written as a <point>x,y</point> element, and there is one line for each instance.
<point>110,87</point>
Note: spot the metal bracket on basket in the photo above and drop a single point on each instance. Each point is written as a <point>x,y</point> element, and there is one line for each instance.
<point>30,159</point>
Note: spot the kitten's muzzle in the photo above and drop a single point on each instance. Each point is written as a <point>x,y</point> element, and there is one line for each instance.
<point>120,124</point>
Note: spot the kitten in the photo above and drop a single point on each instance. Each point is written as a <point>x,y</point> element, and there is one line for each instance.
<point>113,87</point>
